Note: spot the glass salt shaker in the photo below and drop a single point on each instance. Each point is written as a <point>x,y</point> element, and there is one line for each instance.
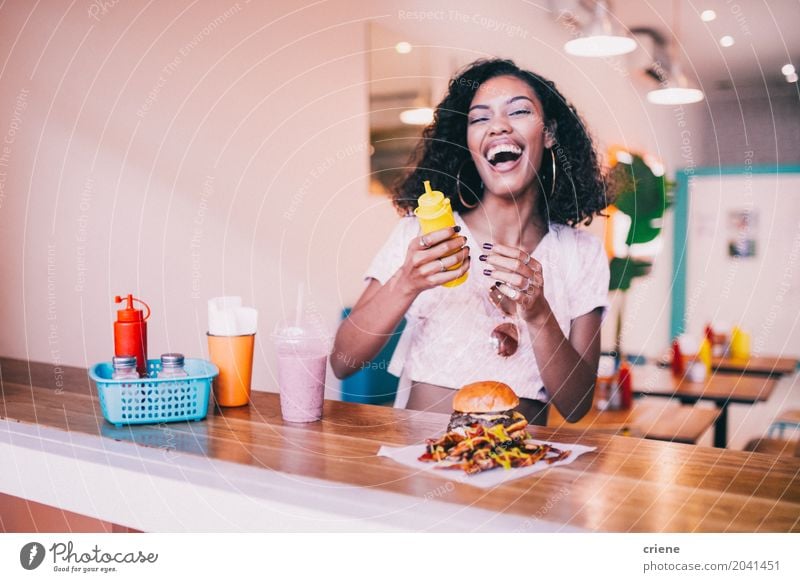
<point>172,366</point>
<point>124,368</point>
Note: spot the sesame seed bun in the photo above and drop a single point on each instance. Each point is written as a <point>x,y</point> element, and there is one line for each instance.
<point>486,396</point>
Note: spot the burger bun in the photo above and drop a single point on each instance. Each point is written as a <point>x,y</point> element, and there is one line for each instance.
<point>485,396</point>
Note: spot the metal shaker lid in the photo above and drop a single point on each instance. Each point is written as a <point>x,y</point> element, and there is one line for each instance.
<point>172,360</point>
<point>121,362</point>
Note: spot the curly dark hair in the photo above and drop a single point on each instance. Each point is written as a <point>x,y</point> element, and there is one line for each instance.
<point>580,185</point>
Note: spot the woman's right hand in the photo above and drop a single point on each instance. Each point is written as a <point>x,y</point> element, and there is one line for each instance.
<point>429,256</point>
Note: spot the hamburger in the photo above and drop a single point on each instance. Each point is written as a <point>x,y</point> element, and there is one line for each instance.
<point>485,432</point>
<point>487,404</point>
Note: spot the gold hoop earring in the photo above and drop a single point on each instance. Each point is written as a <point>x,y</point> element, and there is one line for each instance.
<point>458,188</point>
<point>553,184</point>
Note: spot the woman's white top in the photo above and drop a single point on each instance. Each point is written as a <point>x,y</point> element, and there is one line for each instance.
<point>447,338</point>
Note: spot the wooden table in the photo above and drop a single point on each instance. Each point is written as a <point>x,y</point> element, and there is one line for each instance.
<point>649,419</point>
<point>772,366</point>
<point>250,460</point>
<point>720,388</point>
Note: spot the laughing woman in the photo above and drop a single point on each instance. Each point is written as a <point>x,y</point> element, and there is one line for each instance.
<point>519,168</point>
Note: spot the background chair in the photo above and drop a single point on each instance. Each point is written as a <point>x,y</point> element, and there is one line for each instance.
<point>372,384</point>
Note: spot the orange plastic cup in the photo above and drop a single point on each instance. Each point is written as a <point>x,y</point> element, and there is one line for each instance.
<point>233,355</point>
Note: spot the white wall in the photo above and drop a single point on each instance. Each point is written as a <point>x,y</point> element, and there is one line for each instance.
<point>761,294</point>
<point>179,152</point>
<point>184,150</point>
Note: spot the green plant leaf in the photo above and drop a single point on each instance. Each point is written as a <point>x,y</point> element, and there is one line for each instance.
<point>623,271</point>
<point>641,195</point>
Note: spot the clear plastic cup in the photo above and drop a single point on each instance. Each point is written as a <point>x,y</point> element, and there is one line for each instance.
<point>302,352</point>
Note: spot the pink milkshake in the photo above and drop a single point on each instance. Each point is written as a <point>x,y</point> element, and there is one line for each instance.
<point>302,364</point>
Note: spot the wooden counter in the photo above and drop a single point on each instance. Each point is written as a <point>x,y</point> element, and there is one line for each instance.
<point>240,466</point>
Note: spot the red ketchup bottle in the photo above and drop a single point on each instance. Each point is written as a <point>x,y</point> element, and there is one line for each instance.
<point>709,331</point>
<point>677,360</point>
<point>130,333</point>
<point>625,385</point>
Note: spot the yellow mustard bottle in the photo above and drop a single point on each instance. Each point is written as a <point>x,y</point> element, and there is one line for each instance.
<point>740,344</point>
<point>704,355</point>
<point>434,213</point>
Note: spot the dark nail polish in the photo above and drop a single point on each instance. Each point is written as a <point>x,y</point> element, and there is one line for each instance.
<point>457,228</point>
<point>483,257</point>
<point>487,246</point>
<point>487,272</point>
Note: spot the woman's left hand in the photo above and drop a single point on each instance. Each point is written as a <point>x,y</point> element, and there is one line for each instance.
<point>521,277</point>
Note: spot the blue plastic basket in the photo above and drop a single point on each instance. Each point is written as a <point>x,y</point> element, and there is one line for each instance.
<point>154,400</point>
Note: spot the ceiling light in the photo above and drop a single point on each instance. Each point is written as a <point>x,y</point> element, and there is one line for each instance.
<point>675,96</point>
<point>600,38</point>
<point>708,15</point>
<point>417,116</point>
<point>787,69</point>
<point>791,78</point>
<point>675,88</point>
<point>726,41</point>
<point>403,47</point>
<point>600,46</point>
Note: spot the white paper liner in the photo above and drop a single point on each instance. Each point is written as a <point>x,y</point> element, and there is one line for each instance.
<point>485,479</point>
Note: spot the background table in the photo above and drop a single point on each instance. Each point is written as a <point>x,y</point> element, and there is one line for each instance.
<point>772,366</point>
<point>649,419</point>
<point>720,388</point>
